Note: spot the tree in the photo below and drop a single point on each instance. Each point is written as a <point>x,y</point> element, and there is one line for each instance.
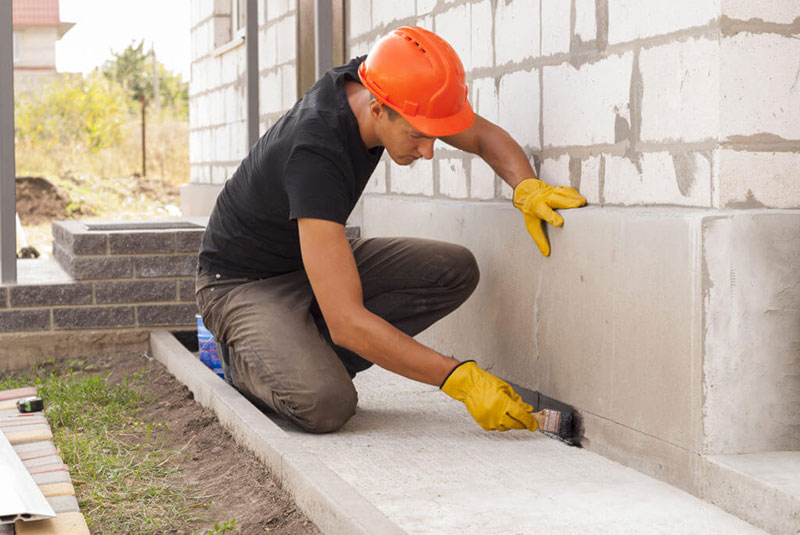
<point>73,112</point>
<point>132,68</point>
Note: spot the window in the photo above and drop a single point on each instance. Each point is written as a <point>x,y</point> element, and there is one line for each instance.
<point>238,16</point>
<point>15,45</point>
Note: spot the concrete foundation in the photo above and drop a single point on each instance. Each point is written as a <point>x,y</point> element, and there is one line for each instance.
<point>629,321</point>
<point>197,200</point>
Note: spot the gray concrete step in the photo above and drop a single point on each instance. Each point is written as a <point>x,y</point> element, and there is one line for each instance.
<point>763,488</point>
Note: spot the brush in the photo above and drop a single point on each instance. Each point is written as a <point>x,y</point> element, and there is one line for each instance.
<point>564,426</point>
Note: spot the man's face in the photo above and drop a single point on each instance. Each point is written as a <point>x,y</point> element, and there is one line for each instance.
<point>404,143</point>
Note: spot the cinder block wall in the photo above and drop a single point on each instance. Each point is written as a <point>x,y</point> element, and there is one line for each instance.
<point>218,96</point>
<point>662,315</point>
<point>636,102</point>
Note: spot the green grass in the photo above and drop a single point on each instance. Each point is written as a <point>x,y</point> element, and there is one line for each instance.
<point>120,469</point>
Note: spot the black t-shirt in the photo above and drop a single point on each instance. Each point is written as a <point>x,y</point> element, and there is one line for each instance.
<point>311,163</point>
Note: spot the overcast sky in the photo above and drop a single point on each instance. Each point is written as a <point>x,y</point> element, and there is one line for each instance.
<point>106,25</point>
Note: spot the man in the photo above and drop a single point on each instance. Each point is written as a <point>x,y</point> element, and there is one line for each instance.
<point>302,308</point>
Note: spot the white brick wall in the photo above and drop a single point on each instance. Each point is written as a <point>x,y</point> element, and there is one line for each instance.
<point>425,6</point>
<point>278,8</point>
<point>268,47</point>
<point>360,16</point>
<point>695,88</point>
<point>377,182</point>
<point>555,26</point>
<point>289,86</point>
<point>658,182</point>
<point>780,11</point>
<point>506,192</point>
<point>359,48</point>
<point>220,31</point>
<point>450,26</point>
<point>585,20</point>
<point>484,99</point>
<point>555,171</point>
<point>221,7</point>
<point>519,106</point>
<point>516,33</point>
<point>681,91</point>
<point>387,11</point>
<point>590,179</point>
<point>270,89</point>
<point>415,179</point>
<point>481,53</point>
<point>218,103</point>
<point>754,179</point>
<point>637,19</point>
<point>452,178</point>
<point>481,180</point>
<point>580,104</point>
<point>287,40</point>
<point>760,87</point>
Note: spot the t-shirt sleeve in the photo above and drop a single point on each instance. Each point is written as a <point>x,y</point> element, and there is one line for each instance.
<point>316,187</point>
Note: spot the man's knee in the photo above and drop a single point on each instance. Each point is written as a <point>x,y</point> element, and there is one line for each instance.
<point>463,274</point>
<point>326,409</point>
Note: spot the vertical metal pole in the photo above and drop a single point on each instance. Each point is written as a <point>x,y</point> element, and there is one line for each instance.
<point>156,88</point>
<point>8,190</point>
<point>144,144</point>
<point>251,32</point>
<point>323,11</point>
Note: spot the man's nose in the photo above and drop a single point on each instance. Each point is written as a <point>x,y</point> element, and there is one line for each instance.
<point>426,148</point>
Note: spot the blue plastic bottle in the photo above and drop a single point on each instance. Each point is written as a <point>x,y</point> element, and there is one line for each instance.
<point>208,348</point>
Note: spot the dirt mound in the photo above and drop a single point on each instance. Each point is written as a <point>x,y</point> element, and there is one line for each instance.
<point>39,200</point>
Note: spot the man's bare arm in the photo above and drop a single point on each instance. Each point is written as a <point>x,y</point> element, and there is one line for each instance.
<point>332,271</point>
<point>496,147</point>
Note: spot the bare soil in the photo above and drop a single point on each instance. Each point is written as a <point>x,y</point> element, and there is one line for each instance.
<point>39,200</point>
<point>241,487</point>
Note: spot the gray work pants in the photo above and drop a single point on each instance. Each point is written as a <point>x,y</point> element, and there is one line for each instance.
<point>282,355</point>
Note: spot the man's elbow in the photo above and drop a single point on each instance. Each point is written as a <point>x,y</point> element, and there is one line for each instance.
<point>348,331</point>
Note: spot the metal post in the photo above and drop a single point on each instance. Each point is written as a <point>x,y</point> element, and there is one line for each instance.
<point>323,24</point>
<point>144,141</point>
<point>156,88</point>
<point>251,32</point>
<point>8,190</point>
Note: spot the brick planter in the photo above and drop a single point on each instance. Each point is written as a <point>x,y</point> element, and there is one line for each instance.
<point>122,278</point>
<point>119,280</point>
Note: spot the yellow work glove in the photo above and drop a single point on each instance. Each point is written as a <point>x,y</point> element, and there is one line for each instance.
<point>536,200</point>
<point>490,400</point>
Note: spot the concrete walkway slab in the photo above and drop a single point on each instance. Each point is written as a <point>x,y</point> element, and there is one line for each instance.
<point>333,505</point>
<point>418,456</point>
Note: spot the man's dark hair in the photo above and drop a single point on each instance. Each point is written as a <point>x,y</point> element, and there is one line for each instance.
<point>392,113</point>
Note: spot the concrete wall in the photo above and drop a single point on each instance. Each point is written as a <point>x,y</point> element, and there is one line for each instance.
<point>217,90</point>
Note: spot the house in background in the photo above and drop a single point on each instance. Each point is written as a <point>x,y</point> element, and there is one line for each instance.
<point>37,27</point>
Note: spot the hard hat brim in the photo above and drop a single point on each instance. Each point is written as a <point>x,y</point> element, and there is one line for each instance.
<point>444,126</point>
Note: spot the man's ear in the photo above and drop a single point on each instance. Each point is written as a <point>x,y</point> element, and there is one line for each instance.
<point>375,109</point>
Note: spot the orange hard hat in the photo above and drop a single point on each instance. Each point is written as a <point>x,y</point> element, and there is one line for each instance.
<point>419,75</point>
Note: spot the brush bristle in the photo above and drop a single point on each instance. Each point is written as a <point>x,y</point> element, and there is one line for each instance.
<point>560,424</point>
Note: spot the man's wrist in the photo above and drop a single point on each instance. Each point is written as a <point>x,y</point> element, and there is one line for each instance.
<point>514,187</point>
<point>450,373</point>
